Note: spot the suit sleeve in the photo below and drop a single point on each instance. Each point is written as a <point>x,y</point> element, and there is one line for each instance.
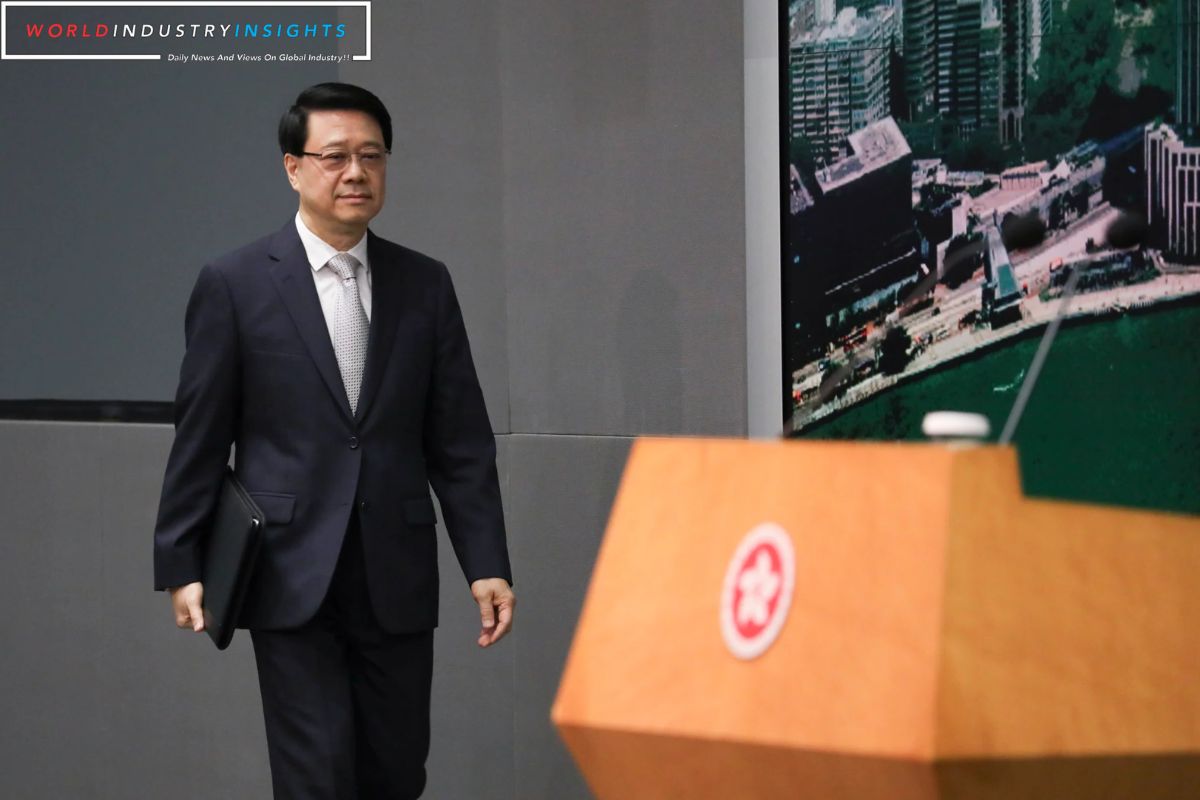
<point>460,448</point>
<point>206,404</point>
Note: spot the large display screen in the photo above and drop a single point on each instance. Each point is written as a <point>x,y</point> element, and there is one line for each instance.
<point>952,166</point>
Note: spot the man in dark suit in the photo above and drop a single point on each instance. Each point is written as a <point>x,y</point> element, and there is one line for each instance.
<point>338,363</point>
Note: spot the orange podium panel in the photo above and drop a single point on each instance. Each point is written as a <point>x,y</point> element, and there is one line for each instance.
<point>853,620</point>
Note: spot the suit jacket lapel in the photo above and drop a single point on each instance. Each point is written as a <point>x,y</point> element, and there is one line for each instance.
<point>385,282</point>
<point>293,277</point>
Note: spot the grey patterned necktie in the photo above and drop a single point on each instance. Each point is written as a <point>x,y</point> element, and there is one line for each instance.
<point>350,327</point>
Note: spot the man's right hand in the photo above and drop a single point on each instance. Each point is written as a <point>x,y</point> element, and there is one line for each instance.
<point>188,602</point>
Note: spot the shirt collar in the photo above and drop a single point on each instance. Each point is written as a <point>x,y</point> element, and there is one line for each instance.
<point>320,251</point>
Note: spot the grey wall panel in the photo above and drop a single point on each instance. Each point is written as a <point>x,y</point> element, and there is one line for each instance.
<point>560,491</point>
<point>104,696</point>
<point>471,746</point>
<point>121,179</point>
<point>624,231</point>
<point>434,65</point>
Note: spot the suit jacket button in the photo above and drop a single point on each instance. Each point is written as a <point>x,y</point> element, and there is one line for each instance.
<point>353,442</point>
<point>363,505</point>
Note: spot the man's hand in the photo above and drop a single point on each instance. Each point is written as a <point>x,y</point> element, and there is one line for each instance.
<point>188,600</point>
<point>496,602</point>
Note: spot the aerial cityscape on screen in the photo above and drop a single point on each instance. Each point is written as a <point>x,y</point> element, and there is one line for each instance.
<point>954,162</point>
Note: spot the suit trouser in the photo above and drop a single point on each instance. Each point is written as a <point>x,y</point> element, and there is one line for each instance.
<point>346,704</point>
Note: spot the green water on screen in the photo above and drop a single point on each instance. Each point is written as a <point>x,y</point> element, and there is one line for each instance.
<point>1114,419</point>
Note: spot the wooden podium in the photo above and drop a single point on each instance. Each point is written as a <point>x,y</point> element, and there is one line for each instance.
<point>946,637</point>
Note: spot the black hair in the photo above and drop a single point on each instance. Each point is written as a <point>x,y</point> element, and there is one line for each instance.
<point>293,126</point>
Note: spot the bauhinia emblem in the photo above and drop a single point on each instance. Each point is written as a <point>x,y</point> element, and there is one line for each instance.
<point>757,590</point>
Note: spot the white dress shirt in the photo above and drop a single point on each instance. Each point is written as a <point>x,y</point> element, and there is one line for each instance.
<point>329,285</point>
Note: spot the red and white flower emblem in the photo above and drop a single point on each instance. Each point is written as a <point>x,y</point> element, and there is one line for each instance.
<point>757,590</point>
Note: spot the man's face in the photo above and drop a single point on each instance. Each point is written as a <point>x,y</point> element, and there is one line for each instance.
<point>346,199</point>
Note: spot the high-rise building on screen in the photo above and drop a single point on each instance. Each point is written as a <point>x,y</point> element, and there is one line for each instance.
<point>840,78</point>
<point>1172,153</point>
<point>1187,96</point>
<point>1041,23</point>
<point>920,57</point>
<point>1014,18</point>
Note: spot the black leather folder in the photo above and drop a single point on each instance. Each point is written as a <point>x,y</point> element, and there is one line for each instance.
<point>229,556</point>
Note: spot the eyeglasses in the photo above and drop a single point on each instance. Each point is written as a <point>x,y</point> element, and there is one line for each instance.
<point>334,161</point>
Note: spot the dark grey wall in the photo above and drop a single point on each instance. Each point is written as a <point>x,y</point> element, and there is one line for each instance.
<point>578,165</point>
<point>120,179</point>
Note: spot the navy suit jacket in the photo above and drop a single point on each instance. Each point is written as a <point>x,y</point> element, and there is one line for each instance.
<point>260,373</point>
